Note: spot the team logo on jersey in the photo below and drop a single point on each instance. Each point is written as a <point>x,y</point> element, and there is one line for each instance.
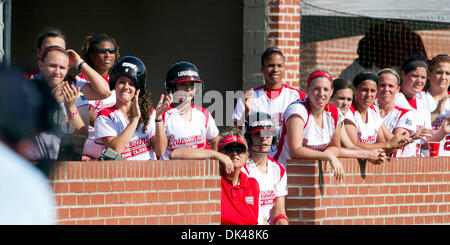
<point>249,200</point>
<point>268,197</point>
<point>189,141</point>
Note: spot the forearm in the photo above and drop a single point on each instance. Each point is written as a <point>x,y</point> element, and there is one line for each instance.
<point>306,153</point>
<point>159,142</point>
<point>359,153</point>
<point>79,127</point>
<point>192,153</point>
<point>279,209</point>
<point>435,114</point>
<point>75,121</point>
<point>438,136</point>
<point>383,145</point>
<point>214,143</point>
<point>119,143</point>
<point>352,153</point>
<point>96,82</point>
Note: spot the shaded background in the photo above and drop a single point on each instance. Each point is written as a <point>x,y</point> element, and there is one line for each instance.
<point>206,33</point>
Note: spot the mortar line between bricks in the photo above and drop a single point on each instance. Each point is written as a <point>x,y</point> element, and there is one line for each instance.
<point>133,191</point>
<point>384,216</point>
<point>371,184</point>
<point>140,216</point>
<point>135,204</point>
<point>135,179</point>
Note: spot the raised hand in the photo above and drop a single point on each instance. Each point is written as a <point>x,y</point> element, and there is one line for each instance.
<point>248,101</point>
<point>74,58</point>
<point>135,110</point>
<point>70,96</point>
<point>58,93</point>
<point>163,103</point>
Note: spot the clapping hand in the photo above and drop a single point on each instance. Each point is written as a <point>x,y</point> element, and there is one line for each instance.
<point>70,96</point>
<point>135,110</point>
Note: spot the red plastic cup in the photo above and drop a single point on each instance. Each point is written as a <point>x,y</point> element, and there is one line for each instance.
<point>434,148</point>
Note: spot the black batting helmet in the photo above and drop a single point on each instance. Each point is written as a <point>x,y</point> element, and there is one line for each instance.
<point>131,67</point>
<point>262,123</point>
<point>181,72</point>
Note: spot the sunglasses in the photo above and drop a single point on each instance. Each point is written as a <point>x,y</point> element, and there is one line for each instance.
<point>237,149</point>
<point>103,50</point>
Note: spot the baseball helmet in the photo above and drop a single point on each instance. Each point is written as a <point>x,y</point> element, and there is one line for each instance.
<point>181,72</point>
<point>262,123</point>
<point>131,67</point>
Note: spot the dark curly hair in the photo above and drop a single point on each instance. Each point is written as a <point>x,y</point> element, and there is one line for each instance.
<point>146,108</point>
<point>90,43</point>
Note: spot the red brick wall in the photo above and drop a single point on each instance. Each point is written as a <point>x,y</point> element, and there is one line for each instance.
<point>402,191</point>
<point>137,192</point>
<point>284,33</point>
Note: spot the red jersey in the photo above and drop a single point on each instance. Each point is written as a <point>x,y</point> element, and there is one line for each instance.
<point>240,203</point>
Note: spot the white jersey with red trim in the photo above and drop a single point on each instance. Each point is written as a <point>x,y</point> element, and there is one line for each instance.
<point>367,131</point>
<point>272,184</point>
<point>401,118</point>
<point>92,149</point>
<point>193,134</point>
<point>110,122</point>
<point>314,137</point>
<point>421,118</point>
<point>431,103</point>
<point>271,104</point>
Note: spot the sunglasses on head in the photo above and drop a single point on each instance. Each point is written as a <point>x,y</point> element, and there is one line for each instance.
<point>234,148</point>
<point>103,50</point>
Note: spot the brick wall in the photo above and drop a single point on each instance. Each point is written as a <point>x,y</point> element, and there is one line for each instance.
<point>284,33</point>
<point>402,191</point>
<point>137,192</point>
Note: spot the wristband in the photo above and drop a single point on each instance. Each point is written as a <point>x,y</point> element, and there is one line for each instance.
<point>79,64</point>
<point>280,216</point>
<point>158,121</point>
<point>72,114</point>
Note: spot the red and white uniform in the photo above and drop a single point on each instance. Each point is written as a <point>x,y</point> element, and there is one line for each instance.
<point>401,118</point>
<point>314,137</point>
<point>111,122</point>
<point>422,118</point>
<point>272,184</point>
<point>367,132</point>
<point>444,147</point>
<point>92,149</point>
<point>273,102</point>
<point>239,204</point>
<point>193,134</point>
